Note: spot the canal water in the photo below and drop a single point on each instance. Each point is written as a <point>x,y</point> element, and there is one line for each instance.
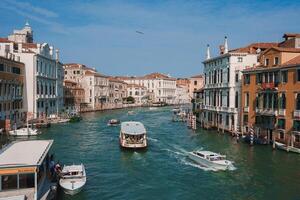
<point>164,171</point>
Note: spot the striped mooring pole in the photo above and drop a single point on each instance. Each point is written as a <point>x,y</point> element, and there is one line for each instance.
<point>251,136</point>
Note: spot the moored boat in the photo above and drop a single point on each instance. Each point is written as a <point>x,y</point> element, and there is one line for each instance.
<point>72,178</point>
<point>133,135</point>
<point>210,159</point>
<point>286,148</point>
<point>113,122</point>
<point>26,131</point>
<point>152,108</point>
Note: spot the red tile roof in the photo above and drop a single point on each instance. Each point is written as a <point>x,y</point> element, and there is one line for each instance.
<point>294,61</point>
<point>5,40</point>
<point>254,46</point>
<point>197,76</point>
<point>29,45</point>
<point>297,35</point>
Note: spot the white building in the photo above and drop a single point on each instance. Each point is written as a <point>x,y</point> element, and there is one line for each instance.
<point>138,92</point>
<point>42,72</point>
<point>182,95</point>
<point>222,86</point>
<point>163,87</point>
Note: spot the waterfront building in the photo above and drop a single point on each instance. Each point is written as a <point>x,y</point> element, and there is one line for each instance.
<point>198,105</point>
<point>163,87</point>
<point>12,113</point>
<point>222,84</point>
<point>95,85</point>
<point>271,94</point>
<point>195,83</point>
<point>73,96</point>
<point>42,68</point>
<point>138,92</point>
<point>117,92</point>
<point>182,95</point>
<point>24,170</point>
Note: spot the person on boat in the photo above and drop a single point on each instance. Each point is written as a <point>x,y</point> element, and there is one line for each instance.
<point>57,168</point>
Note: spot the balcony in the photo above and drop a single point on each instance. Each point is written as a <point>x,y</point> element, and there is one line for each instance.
<point>271,86</point>
<point>246,109</point>
<point>297,114</point>
<point>281,112</point>
<point>269,112</point>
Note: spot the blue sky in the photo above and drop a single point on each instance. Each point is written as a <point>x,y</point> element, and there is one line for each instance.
<point>102,34</point>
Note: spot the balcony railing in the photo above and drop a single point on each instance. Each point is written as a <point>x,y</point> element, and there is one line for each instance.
<point>281,112</point>
<point>297,113</point>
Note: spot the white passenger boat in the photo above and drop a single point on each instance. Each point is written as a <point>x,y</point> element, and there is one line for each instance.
<point>153,108</point>
<point>133,135</point>
<point>210,159</point>
<point>73,178</point>
<point>27,131</point>
<point>287,148</point>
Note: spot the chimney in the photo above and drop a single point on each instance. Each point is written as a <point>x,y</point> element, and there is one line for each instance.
<point>38,47</point>
<point>19,47</point>
<point>207,52</point>
<point>51,51</point>
<point>225,46</point>
<point>57,54</point>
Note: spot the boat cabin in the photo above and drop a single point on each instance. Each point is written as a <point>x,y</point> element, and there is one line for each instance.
<point>24,170</point>
<point>210,155</point>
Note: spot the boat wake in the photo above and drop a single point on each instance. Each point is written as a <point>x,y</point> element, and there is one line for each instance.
<point>152,139</point>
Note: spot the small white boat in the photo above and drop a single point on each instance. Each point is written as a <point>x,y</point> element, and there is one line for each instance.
<point>73,178</point>
<point>23,132</point>
<point>130,112</point>
<point>210,159</point>
<point>133,135</point>
<point>286,148</point>
<point>152,108</point>
<point>113,122</point>
<point>1,130</point>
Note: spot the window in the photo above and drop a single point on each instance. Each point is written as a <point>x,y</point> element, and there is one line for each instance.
<point>9,182</point>
<point>259,78</point>
<point>282,101</point>
<point>66,72</point>
<point>236,99</point>
<point>276,61</point>
<point>228,75</point>
<point>281,124</point>
<point>298,74</point>
<point>297,138</point>
<point>284,76</point>
<point>195,82</point>
<point>245,119</point>
<point>1,67</point>
<point>26,180</point>
<point>240,59</point>
<point>247,99</point>
<point>246,79</point>
<point>296,125</point>
<point>267,62</point>
<point>237,77</point>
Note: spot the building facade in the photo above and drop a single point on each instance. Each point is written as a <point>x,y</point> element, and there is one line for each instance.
<point>161,86</point>
<point>182,95</point>
<point>12,113</point>
<point>117,92</point>
<point>271,94</point>
<point>73,96</point>
<point>222,84</point>
<point>138,92</point>
<point>195,83</point>
<point>42,96</point>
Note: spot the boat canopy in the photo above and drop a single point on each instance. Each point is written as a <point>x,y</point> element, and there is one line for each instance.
<point>24,153</point>
<point>133,128</point>
<point>72,168</point>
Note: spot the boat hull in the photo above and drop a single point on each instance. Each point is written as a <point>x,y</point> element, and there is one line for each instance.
<point>286,148</point>
<point>207,163</point>
<point>72,187</point>
<point>132,146</point>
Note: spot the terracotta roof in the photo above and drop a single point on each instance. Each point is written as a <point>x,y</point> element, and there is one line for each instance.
<point>294,61</point>
<point>254,46</point>
<point>5,40</point>
<point>197,76</point>
<point>29,45</point>
<point>113,79</point>
<point>283,49</point>
<point>69,81</point>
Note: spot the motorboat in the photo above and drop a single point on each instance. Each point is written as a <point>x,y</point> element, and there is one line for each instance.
<point>133,135</point>
<point>210,159</point>
<point>113,122</point>
<point>72,178</point>
<point>287,148</point>
<point>152,108</point>
<point>26,131</point>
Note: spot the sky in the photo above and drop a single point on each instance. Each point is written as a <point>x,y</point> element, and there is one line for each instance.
<point>105,34</point>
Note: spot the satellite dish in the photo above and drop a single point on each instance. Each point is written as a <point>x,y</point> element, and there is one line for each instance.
<point>258,50</point>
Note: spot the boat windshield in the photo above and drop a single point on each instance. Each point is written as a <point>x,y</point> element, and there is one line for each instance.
<point>199,154</point>
<point>215,157</point>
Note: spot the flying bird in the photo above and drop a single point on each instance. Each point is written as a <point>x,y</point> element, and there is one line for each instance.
<point>139,32</point>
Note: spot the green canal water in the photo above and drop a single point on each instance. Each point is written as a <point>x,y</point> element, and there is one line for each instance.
<point>164,171</point>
